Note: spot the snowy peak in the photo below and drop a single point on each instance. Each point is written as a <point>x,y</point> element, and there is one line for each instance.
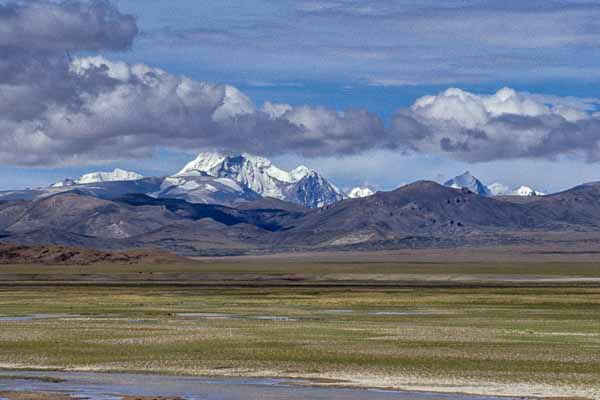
<point>300,172</point>
<point>359,192</point>
<point>203,164</point>
<point>499,189</point>
<point>116,175</point>
<point>313,191</point>
<point>258,174</point>
<point>468,181</point>
<point>95,177</point>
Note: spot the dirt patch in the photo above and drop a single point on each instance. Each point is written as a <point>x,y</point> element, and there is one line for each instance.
<point>59,255</point>
<point>63,396</point>
<point>35,396</point>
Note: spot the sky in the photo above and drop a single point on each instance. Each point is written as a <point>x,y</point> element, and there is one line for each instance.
<point>377,93</point>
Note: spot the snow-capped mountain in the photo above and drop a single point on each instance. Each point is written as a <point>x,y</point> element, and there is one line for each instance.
<point>358,192</point>
<point>312,190</point>
<point>116,175</point>
<point>257,173</point>
<point>468,181</point>
<point>248,173</point>
<point>498,189</point>
<point>214,178</point>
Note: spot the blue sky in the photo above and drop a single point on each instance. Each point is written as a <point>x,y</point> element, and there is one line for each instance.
<point>374,55</point>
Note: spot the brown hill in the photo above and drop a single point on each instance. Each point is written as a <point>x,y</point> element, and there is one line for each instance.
<point>53,255</point>
<point>423,214</point>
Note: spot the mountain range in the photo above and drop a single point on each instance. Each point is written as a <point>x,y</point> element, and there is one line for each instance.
<point>211,178</point>
<point>226,179</point>
<point>422,214</point>
<point>222,204</point>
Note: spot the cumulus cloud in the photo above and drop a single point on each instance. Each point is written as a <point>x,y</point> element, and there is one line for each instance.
<point>57,107</point>
<point>128,111</point>
<point>45,25</point>
<point>505,125</point>
<point>36,85</point>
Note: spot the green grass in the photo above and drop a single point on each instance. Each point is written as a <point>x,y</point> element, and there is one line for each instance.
<point>508,334</point>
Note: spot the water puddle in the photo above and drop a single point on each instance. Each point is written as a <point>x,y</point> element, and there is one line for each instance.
<point>33,317</point>
<point>399,313</point>
<point>207,315</point>
<point>103,386</point>
<point>273,318</point>
<point>142,321</point>
<point>234,316</point>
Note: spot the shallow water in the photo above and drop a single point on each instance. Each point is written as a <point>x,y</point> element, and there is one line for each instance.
<point>101,386</point>
<point>399,313</point>
<point>36,316</point>
<point>207,315</point>
<point>235,316</point>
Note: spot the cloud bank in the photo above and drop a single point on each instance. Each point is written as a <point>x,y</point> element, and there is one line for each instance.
<point>58,110</point>
<point>57,107</point>
<point>505,125</point>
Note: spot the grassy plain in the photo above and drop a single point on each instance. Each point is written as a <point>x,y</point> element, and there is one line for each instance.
<point>491,335</point>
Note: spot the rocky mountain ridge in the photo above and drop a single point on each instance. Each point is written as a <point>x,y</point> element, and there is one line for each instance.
<point>422,214</point>
<point>218,178</point>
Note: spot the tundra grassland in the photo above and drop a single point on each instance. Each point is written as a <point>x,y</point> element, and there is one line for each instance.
<point>386,325</point>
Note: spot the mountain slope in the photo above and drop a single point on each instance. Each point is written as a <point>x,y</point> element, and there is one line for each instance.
<point>577,206</point>
<point>206,189</point>
<point>422,214</point>
<point>423,208</point>
<point>81,214</point>
<point>136,220</point>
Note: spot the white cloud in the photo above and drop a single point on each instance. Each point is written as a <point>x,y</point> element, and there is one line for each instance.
<point>504,125</point>
<point>499,189</point>
<point>235,104</point>
<point>472,110</point>
<point>275,110</point>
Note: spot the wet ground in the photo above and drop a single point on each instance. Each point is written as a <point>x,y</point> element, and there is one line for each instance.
<point>99,386</point>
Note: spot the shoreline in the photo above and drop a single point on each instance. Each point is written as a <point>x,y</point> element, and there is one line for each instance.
<point>402,384</point>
